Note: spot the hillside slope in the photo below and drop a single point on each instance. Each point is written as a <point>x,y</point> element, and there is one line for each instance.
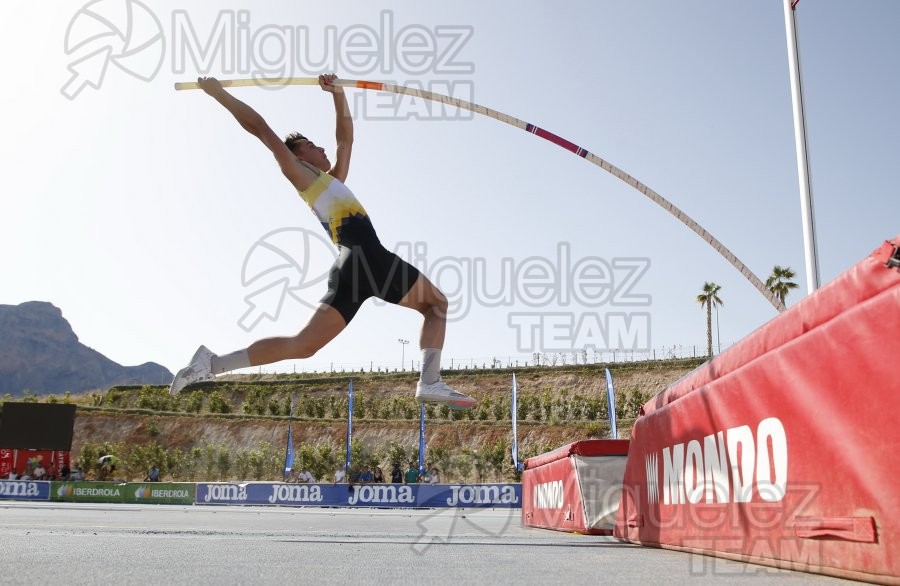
<point>245,418</point>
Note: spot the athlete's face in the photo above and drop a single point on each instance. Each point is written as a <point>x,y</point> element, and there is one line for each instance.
<point>306,150</point>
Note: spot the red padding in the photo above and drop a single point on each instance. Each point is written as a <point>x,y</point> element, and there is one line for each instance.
<point>863,281</point>
<point>784,451</point>
<point>581,448</point>
<point>551,496</point>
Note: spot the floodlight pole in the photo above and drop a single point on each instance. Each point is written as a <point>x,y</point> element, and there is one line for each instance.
<point>403,344</point>
<point>806,203</point>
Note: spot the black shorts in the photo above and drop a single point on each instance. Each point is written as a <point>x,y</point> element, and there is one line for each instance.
<point>367,270</point>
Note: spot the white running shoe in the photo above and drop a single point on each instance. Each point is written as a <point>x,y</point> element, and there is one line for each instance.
<point>199,369</point>
<point>440,392</point>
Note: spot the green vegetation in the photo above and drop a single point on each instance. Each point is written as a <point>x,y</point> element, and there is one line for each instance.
<point>474,445</point>
<point>274,402</point>
<point>209,462</point>
<point>780,282</point>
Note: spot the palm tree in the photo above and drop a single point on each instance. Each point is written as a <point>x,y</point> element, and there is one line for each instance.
<point>779,283</point>
<point>708,299</point>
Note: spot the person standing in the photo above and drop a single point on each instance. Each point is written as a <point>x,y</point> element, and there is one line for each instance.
<point>412,474</point>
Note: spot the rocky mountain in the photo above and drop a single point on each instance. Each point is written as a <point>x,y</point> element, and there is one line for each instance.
<point>39,352</point>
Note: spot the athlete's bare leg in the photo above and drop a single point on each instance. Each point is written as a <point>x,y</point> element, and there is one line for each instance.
<point>427,299</point>
<point>322,327</point>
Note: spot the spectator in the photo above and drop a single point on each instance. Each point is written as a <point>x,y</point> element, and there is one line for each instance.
<point>25,475</point>
<point>434,477</point>
<point>378,475</point>
<point>412,474</point>
<point>12,475</point>
<point>152,474</point>
<point>366,476</point>
<point>52,472</point>
<point>107,469</point>
<point>339,475</point>
<point>396,474</point>
<point>306,476</point>
<point>39,472</point>
<point>77,473</point>
<point>64,472</point>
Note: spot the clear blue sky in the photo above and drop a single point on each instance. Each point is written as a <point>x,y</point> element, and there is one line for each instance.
<point>133,207</point>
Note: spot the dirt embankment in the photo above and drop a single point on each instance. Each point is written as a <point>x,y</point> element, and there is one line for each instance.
<point>240,432</point>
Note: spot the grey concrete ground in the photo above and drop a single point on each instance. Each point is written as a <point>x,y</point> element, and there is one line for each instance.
<point>65,543</point>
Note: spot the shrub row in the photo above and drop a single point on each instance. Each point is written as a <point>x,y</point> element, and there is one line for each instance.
<point>488,462</point>
<point>546,406</point>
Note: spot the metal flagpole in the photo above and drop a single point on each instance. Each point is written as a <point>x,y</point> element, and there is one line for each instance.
<point>806,203</point>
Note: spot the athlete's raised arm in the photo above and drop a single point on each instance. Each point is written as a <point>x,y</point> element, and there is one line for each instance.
<point>252,122</point>
<point>344,132</point>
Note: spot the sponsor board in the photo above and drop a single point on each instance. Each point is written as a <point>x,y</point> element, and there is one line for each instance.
<point>549,495</point>
<point>24,490</point>
<point>21,460</point>
<point>161,492</point>
<point>576,487</point>
<point>93,492</point>
<point>366,495</point>
<point>732,465</point>
<point>131,492</point>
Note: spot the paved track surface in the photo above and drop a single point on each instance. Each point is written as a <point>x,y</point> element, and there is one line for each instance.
<point>65,543</point>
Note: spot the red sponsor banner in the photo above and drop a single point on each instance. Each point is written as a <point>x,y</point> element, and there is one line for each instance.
<point>22,460</point>
<point>783,450</point>
<point>550,497</point>
<point>566,489</point>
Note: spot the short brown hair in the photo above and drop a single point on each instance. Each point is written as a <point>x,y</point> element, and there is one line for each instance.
<point>292,139</point>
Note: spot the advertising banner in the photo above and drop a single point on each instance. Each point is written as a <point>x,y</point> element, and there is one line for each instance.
<point>87,492</point>
<point>168,493</point>
<point>133,492</point>
<point>514,409</point>
<point>367,495</point>
<point>24,490</point>
<point>576,487</point>
<point>349,426</point>
<point>611,406</point>
<point>22,460</point>
<point>782,450</point>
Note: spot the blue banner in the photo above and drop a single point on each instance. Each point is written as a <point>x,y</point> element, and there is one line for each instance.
<point>349,426</point>
<point>25,490</point>
<point>611,406</point>
<point>428,496</point>
<point>289,451</point>
<point>421,438</point>
<point>515,435</point>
